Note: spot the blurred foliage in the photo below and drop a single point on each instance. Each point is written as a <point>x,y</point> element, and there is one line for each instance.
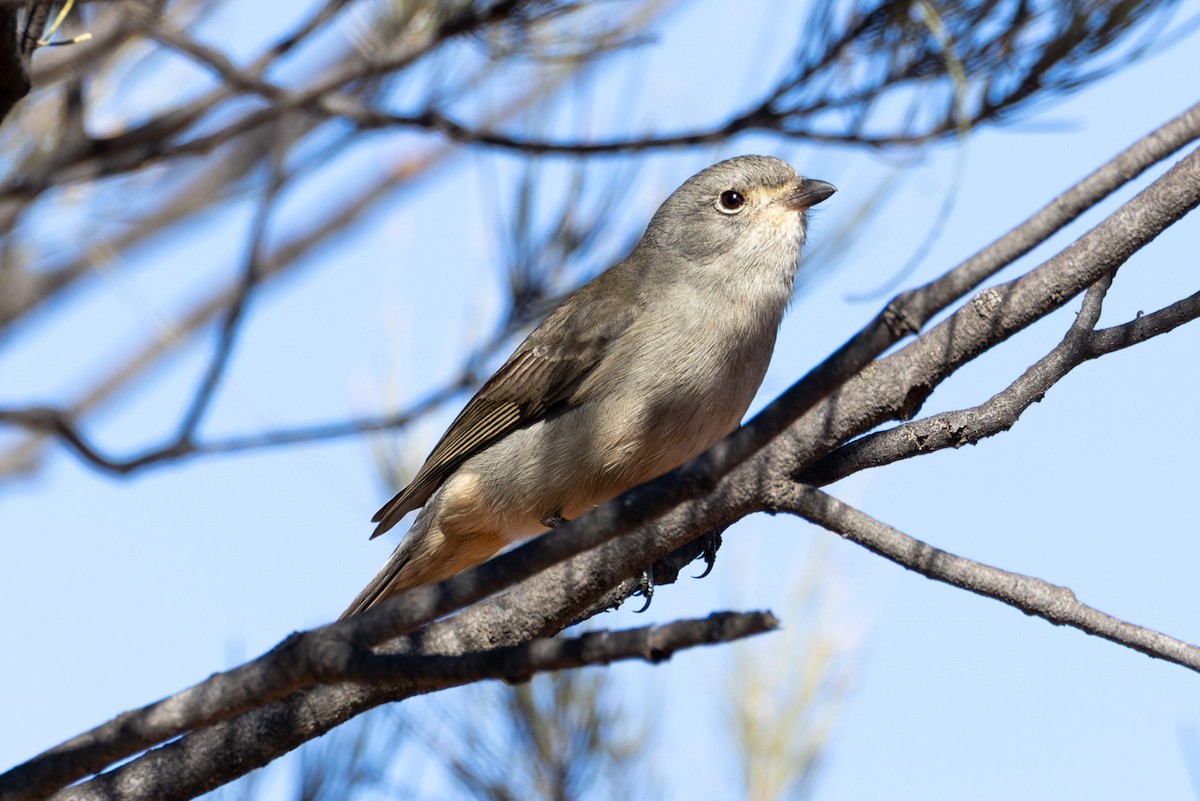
<point>784,694</point>
<point>565,736</point>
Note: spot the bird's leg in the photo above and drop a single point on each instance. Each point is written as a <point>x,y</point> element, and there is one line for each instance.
<point>554,519</point>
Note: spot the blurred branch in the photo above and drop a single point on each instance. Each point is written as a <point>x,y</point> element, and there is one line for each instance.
<point>782,702</point>
<point>564,736</point>
<point>403,177</point>
<point>284,258</point>
<point>987,80</point>
<point>821,100</point>
<point>251,274</point>
<point>194,194</point>
<point>150,142</point>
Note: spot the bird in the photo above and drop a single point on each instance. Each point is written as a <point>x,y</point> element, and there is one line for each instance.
<point>646,365</point>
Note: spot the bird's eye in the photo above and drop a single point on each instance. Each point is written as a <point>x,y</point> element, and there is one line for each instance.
<point>731,201</point>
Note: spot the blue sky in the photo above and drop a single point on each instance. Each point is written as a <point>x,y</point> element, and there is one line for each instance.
<point>118,592</point>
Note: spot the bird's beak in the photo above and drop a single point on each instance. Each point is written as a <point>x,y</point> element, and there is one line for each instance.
<point>808,194</point>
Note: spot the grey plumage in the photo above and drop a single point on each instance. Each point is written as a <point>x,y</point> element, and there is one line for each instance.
<point>640,369</point>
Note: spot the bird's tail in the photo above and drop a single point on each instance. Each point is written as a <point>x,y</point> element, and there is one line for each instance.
<point>427,555</point>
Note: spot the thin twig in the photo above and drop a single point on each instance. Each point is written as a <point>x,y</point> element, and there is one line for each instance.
<point>518,663</point>
<point>1033,596</point>
<point>252,272</point>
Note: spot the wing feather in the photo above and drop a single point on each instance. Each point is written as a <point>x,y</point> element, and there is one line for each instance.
<point>541,374</point>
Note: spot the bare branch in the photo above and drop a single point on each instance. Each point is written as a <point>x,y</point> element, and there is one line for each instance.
<point>30,291</point>
<point>1032,596</point>
<point>517,663</point>
<point>800,102</point>
<point>1144,327</point>
<point>404,176</point>
<point>897,385</point>
<point>813,102</point>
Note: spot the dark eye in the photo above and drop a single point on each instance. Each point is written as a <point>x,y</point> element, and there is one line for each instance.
<point>731,201</point>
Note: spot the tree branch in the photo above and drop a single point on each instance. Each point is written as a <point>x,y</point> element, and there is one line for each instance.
<point>63,422</point>
<point>790,108</point>
<point>1032,596</point>
<point>969,426</point>
<point>897,385</point>
<point>517,663</point>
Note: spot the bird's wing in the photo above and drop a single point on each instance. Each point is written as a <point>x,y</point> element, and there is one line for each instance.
<point>541,374</point>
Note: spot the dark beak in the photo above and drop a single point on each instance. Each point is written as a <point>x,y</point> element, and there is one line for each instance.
<point>810,193</point>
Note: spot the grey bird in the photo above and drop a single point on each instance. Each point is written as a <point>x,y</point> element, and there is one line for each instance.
<point>645,366</point>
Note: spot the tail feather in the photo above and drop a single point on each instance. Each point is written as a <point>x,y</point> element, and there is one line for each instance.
<point>391,513</point>
<point>427,555</point>
<point>391,579</point>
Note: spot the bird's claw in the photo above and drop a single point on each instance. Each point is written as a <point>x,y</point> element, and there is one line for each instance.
<point>645,587</point>
<point>711,542</point>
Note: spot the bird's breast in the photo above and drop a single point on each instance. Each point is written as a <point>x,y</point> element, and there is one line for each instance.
<point>672,394</point>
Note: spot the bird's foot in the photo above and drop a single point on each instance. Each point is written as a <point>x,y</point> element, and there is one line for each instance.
<point>709,543</point>
<point>645,587</point>
<point>554,520</point>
